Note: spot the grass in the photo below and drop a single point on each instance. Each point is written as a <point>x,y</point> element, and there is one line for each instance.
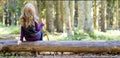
<point>78,34</point>
<point>15,30</point>
<point>10,30</point>
<point>97,35</point>
<point>6,31</point>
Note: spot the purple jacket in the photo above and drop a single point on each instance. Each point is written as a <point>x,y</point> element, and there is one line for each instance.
<point>36,37</point>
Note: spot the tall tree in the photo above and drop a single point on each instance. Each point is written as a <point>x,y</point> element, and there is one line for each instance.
<point>103,16</point>
<point>1,10</point>
<point>39,10</point>
<point>110,12</point>
<point>50,16</point>
<point>117,14</point>
<point>67,18</point>
<point>7,10</point>
<point>58,21</point>
<point>72,11</point>
<point>81,15</point>
<point>115,19</point>
<point>88,22</point>
<point>95,15</point>
<point>61,15</point>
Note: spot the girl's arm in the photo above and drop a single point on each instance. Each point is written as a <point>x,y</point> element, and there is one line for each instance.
<point>39,27</point>
<point>21,35</point>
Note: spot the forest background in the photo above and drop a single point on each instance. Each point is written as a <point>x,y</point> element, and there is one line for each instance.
<point>65,20</point>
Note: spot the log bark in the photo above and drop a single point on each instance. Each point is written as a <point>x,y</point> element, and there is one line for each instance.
<point>61,46</point>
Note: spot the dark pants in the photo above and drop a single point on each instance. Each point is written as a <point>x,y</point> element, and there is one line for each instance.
<point>41,36</point>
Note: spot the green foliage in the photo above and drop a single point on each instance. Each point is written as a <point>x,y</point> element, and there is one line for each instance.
<point>15,30</point>
<point>9,30</point>
<point>43,13</point>
<point>1,24</point>
<point>109,35</point>
<point>79,35</point>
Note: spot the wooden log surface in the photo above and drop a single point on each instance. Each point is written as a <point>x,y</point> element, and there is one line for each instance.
<point>61,46</point>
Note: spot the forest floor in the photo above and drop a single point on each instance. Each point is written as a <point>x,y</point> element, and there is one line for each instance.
<point>65,55</point>
<point>13,32</point>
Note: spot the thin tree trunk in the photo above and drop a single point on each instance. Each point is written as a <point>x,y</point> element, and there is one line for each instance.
<point>88,23</point>
<point>95,15</point>
<point>76,14</point>
<point>39,6</point>
<point>103,17</point>
<point>67,18</point>
<point>62,16</point>
<point>50,16</point>
<point>58,22</point>
<point>81,14</point>
<point>72,11</point>
<point>117,14</point>
<point>109,14</point>
<point>6,13</point>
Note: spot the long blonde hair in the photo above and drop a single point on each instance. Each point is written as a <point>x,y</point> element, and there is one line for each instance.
<point>28,16</point>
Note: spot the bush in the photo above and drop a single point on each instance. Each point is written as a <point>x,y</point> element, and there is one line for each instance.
<point>79,35</point>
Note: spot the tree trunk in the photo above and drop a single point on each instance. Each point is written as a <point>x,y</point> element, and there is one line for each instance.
<point>110,11</point>
<point>81,14</point>
<point>67,18</point>
<point>72,11</point>
<point>115,22</point>
<point>39,10</point>
<point>37,4</point>
<point>61,46</point>
<point>117,14</point>
<point>61,15</point>
<point>95,15</point>
<point>88,23</point>
<point>50,16</point>
<point>58,22</point>
<point>103,16</point>
<point>76,14</point>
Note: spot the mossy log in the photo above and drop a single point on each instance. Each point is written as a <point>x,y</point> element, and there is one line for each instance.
<point>61,46</point>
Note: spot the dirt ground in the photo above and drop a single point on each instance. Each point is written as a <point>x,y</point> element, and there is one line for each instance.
<point>63,56</point>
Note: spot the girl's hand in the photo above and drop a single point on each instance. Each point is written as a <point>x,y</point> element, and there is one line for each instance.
<point>19,42</point>
<point>43,21</point>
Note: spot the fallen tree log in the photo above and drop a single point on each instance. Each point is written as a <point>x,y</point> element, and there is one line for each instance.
<point>61,46</point>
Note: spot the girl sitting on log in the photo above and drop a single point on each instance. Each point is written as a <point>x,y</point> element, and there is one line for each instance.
<point>30,29</point>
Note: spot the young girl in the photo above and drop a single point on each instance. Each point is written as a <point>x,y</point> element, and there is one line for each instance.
<point>29,26</point>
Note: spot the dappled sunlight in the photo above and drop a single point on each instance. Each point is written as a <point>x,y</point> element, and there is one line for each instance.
<point>59,36</point>
<point>59,27</point>
<point>4,30</point>
<point>80,35</point>
<point>11,32</point>
<point>113,32</point>
<point>109,34</point>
